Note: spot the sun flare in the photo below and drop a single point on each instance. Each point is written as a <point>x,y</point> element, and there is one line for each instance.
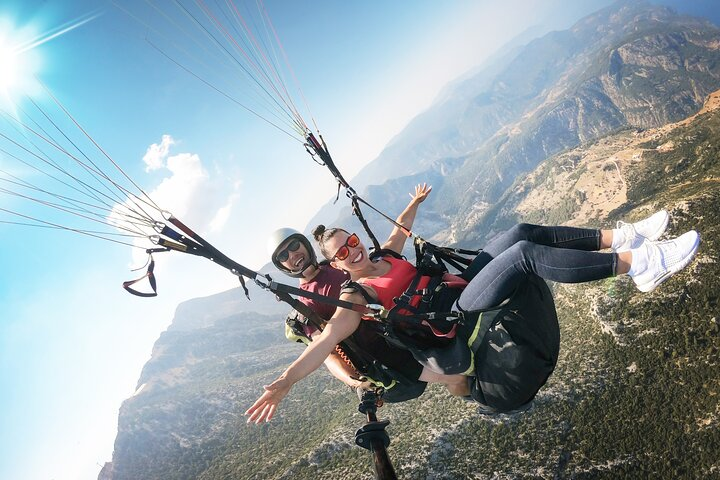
<point>8,67</point>
<point>17,67</point>
<point>20,57</point>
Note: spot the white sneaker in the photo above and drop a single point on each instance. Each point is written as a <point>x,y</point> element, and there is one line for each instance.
<point>664,259</point>
<point>636,233</point>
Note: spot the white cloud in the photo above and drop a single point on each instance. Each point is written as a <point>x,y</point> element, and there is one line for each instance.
<point>186,186</point>
<point>201,199</point>
<point>156,154</point>
<point>222,215</point>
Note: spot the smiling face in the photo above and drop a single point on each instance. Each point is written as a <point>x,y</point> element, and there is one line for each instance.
<point>342,244</point>
<point>297,255</point>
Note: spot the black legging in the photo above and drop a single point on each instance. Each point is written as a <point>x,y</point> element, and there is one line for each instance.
<point>560,254</point>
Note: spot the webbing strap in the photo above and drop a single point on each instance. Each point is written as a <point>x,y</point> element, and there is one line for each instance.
<point>454,256</point>
<point>424,267</point>
<point>348,349</point>
<point>356,307</point>
<point>404,229</point>
<point>358,213</point>
<point>194,244</point>
<point>303,309</point>
<point>206,250</point>
<point>320,149</point>
<point>151,278</point>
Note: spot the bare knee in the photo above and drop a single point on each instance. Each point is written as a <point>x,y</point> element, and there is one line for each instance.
<point>456,384</point>
<point>460,389</point>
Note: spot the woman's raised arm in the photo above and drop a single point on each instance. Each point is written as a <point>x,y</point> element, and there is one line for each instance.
<point>338,328</point>
<point>396,240</point>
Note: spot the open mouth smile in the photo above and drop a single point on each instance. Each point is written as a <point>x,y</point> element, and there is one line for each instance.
<point>299,261</point>
<point>358,257</point>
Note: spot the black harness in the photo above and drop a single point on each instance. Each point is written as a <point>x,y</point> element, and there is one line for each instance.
<point>400,324</point>
<point>408,326</point>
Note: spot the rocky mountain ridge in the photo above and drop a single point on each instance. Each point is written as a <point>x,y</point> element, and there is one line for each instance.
<point>631,65</point>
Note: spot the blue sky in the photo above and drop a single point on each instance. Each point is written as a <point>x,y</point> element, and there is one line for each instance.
<point>72,342</point>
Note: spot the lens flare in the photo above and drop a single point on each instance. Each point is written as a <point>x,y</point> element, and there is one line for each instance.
<point>8,67</point>
<point>19,53</point>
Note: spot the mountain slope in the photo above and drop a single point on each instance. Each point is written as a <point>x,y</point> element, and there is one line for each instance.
<point>638,66</point>
<point>635,393</point>
<point>629,65</point>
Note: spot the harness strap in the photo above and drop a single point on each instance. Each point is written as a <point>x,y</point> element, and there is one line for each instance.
<point>386,252</point>
<point>433,320</point>
<point>404,229</point>
<point>310,315</point>
<point>356,307</point>
<point>424,267</point>
<point>351,286</point>
<point>358,213</point>
<point>348,350</point>
<point>194,244</point>
<point>454,258</point>
<point>319,148</point>
<point>151,278</point>
<point>206,250</point>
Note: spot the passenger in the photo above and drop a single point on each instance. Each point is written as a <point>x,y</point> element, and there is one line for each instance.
<point>527,253</point>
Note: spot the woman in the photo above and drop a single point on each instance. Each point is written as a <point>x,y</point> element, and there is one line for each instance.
<point>292,253</point>
<point>562,254</point>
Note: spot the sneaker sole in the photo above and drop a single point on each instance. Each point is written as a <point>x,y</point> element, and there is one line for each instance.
<point>650,286</point>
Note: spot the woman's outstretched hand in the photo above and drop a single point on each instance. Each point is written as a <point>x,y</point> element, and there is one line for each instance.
<point>421,193</point>
<point>265,407</point>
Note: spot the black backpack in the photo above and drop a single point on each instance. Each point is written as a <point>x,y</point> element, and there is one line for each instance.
<point>511,350</point>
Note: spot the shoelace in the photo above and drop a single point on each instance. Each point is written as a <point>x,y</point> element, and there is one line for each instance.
<point>653,252</point>
<point>628,231</point>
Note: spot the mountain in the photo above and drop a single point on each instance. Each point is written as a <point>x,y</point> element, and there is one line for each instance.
<point>203,312</point>
<point>635,393</point>
<point>629,65</point>
<point>632,66</point>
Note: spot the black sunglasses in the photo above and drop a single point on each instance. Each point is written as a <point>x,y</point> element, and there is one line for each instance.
<point>284,254</point>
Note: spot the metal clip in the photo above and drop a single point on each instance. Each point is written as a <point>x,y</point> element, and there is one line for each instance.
<point>380,312</point>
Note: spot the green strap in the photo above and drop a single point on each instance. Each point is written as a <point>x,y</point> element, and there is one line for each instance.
<point>475,340</point>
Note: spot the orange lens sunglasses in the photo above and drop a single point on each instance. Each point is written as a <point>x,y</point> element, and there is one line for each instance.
<point>343,252</point>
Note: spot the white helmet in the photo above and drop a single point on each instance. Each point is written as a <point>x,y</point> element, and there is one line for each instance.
<point>280,236</point>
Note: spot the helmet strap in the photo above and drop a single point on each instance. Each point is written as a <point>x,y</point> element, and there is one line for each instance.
<point>313,264</point>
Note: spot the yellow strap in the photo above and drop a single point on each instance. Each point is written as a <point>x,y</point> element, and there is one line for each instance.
<point>293,337</point>
<point>470,342</point>
<point>380,384</point>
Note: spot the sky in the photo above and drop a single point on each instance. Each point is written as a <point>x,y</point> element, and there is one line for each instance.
<point>72,342</point>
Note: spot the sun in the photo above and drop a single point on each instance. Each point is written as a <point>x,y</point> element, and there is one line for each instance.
<point>8,67</point>
<point>19,53</point>
<point>17,66</point>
